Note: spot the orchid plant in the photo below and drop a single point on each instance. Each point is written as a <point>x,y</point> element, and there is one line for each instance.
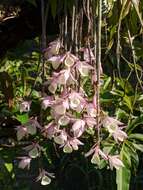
<point>73,115</point>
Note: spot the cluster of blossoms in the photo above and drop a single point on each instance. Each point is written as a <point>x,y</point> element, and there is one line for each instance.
<point>72,113</point>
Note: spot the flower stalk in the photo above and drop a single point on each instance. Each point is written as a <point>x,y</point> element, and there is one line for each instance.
<point>98,66</point>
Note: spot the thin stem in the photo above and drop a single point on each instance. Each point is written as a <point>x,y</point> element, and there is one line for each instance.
<point>134,59</point>
<point>76,28</point>
<point>66,26</point>
<point>98,66</point>
<point>44,15</point>
<point>73,28</point>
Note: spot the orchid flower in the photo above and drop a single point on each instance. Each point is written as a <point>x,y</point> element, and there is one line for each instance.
<point>63,120</point>
<point>50,130</point>
<point>53,49</point>
<point>119,135</point>
<point>112,126</point>
<point>83,68</point>
<point>60,107</point>
<point>91,110</point>
<point>45,177</point>
<point>25,162</point>
<point>97,153</point>
<point>72,144</point>
<point>70,60</point>
<point>47,102</point>
<point>21,132</point>
<point>33,150</point>
<point>25,106</point>
<point>78,128</point>
<point>62,138</point>
<point>90,121</point>
<point>53,86</point>
<point>76,101</point>
<point>114,161</point>
<point>56,60</point>
<point>63,76</point>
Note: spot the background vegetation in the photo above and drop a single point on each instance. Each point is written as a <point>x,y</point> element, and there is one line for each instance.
<point>26,28</point>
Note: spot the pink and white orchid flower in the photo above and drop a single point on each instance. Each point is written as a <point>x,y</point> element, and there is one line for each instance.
<point>76,101</point>
<point>25,162</point>
<point>114,161</point>
<point>78,128</point>
<point>83,68</point>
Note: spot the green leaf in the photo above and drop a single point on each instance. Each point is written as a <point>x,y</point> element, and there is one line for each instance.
<point>138,146</point>
<point>136,136</point>
<point>136,5</point>
<point>23,118</point>
<point>136,122</point>
<point>9,167</point>
<point>123,175</point>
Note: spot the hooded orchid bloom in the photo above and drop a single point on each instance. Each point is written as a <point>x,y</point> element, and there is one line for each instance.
<point>50,130</point>
<point>91,110</point>
<point>76,101</point>
<point>21,132</point>
<point>64,120</point>
<point>53,49</point>
<point>45,177</point>
<point>47,102</point>
<point>71,144</point>
<point>114,161</point>
<point>90,121</point>
<point>25,106</point>
<point>70,59</point>
<point>119,135</point>
<point>53,86</point>
<point>61,138</point>
<point>112,126</point>
<point>60,107</point>
<point>84,68</point>
<point>56,60</point>
<point>97,154</point>
<point>78,128</point>
<point>63,76</point>
<point>24,163</point>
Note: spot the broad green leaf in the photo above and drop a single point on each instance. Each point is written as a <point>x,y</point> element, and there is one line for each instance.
<point>138,146</point>
<point>9,167</point>
<point>128,102</point>
<point>123,175</point>
<point>23,118</point>
<point>137,136</point>
<point>136,5</point>
<point>134,123</point>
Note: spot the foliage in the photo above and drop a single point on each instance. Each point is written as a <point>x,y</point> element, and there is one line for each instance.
<point>53,95</point>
